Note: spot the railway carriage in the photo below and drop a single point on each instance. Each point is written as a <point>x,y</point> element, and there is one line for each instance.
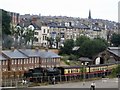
<point>67,72</point>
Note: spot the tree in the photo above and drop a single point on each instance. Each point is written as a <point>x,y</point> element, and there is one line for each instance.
<point>50,40</point>
<point>90,48</point>
<point>6,19</point>
<point>115,39</point>
<point>6,38</point>
<point>81,40</point>
<point>68,45</point>
<point>29,36</point>
<point>57,42</point>
<point>115,71</point>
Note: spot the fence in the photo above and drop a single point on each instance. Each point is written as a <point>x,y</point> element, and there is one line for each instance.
<point>21,82</point>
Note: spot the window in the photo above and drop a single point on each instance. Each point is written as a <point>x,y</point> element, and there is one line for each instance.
<point>36,33</point>
<point>12,61</point>
<point>38,61</point>
<point>27,61</point>
<point>18,61</point>
<point>30,60</point>
<point>21,61</point>
<point>24,61</point>
<point>35,60</point>
<point>6,63</point>
<point>15,61</point>
<point>44,31</point>
<point>3,62</point>
<point>43,37</point>
<point>36,39</point>
<point>48,31</point>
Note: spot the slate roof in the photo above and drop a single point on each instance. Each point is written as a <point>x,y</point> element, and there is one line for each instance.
<point>35,26</point>
<point>38,53</point>
<point>114,50</point>
<point>85,59</point>
<point>14,54</point>
<point>2,58</point>
<point>30,52</point>
<point>49,54</point>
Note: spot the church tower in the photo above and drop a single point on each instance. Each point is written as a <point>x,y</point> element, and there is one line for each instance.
<point>89,17</point>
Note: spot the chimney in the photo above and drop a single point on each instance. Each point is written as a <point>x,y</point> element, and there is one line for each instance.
<point>12,49</point>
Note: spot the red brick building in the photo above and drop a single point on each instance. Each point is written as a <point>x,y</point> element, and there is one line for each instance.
<point>15,62</point>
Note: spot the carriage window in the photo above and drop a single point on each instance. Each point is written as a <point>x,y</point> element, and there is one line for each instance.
<point>68,71</point>
<point>76,70</point>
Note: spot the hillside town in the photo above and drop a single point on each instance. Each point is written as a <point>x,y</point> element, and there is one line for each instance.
<point>57,29</point>
<point>35,41</point>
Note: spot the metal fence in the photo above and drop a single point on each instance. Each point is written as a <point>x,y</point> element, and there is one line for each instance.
<point>22,82</point>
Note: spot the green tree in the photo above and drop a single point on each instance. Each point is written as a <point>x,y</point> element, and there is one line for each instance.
<point>50,40</point>
<point>115,71</point>
<point>6,38</point>
<point>57,42</point>
<point>29,36</point>
<point>6,19</point>
<point>80,40</point>
<point>90,48</point>
<point>68,45</point>
<point>115,39</point>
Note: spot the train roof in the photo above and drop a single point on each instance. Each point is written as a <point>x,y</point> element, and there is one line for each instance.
<point>69,67</point>
<point>101,65</point>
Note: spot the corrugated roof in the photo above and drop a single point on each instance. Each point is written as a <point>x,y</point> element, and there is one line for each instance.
<point>14,54</point>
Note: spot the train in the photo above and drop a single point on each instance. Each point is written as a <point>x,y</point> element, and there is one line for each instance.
<point>89,71</point>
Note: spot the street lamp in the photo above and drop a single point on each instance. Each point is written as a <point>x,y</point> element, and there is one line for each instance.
<point>84,71</point>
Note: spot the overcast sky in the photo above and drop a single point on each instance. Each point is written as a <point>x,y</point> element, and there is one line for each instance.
<point>102,9</point>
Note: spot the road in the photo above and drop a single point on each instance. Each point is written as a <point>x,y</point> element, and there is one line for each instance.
<point>104,83</point>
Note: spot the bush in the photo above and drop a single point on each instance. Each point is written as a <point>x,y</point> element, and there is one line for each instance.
<point>73,57</point>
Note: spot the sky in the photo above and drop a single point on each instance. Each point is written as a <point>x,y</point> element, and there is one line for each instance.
<point>100,9</point>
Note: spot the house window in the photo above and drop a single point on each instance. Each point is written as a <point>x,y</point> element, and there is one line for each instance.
<point>43,37</point>
<point>30,60</point>
<point>48,31</point>
<point>24,61</point>
<point>38,61</point>
<point>36,33</point>
<point>35,60</point>
<point>3,62</point>
<point>36,39</point>
<point>12,61</point>
<point>18,61</point>
<point>6,63</point>
<point>21,61</point>
<point>15,61</point>
<point>44,31</point>
<point>27,61</point>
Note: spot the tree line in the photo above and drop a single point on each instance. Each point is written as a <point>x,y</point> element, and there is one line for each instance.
<point>87,47</point>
